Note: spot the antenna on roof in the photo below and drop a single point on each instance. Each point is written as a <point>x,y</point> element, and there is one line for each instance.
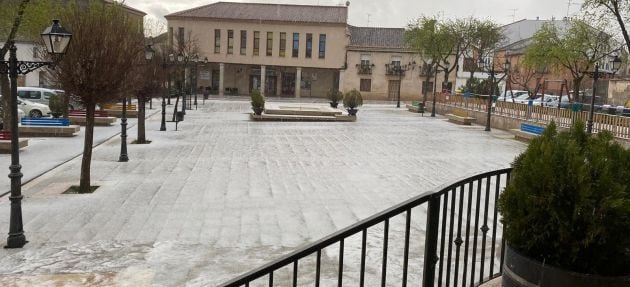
<point>368,19</point>
<point>513,14</point>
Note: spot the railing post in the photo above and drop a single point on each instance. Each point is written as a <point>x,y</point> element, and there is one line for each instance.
<point>431,241</point>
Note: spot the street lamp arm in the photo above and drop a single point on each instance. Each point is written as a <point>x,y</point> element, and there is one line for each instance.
<point>24,67</point>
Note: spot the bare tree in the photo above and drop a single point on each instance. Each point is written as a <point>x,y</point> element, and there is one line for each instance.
<point>99,64</point>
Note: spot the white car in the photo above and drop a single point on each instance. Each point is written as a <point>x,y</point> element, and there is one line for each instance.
<point>546,101</point>
<point>35,95</point>
<point>512,93</point>
<point>33,110</point>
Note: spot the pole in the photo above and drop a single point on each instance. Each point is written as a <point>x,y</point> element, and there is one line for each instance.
<point>490,99</point>
<point>434,90</point>
<point>591,114</point>
<point>163,122</point>
<point>123,133</point>
<point>16,237</point>
<point>183,89</point>
<point>399,71</point>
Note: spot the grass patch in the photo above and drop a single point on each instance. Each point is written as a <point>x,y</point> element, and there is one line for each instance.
<point>75,189</point>
<point>145,142</point>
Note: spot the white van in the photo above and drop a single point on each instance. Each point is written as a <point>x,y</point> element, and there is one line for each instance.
<point>35,95</point>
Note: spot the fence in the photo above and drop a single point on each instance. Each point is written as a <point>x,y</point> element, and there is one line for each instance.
<point>619,126</point>
<point>458,226</point>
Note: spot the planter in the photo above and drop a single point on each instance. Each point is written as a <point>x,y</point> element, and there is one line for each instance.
<point>352,112</point>
<point>258,110</point>
<point>521,271</point>
<point>334,104</point>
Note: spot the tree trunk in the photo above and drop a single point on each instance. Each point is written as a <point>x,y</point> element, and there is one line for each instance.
<point>141,120</point>
<point>576,90</point>
<point>426,89</point>
<point>86,162</point>
<point>175,109</point>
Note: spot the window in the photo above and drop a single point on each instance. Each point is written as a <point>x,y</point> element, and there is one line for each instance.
<point>269,43</point>
<point>256,43</point>
<point>230,42</point>
<point>365,60</point>
<point>243,42</point>
<point>283,44</point>
<point>170,37</point>
<point>217,41</point>
<point>322,46</point>
<point>366,85</point>
<point>309,45</point>
<point>396,60</point>
<point>427,87</point>
<point>296,45</point>
<point>180,38</point>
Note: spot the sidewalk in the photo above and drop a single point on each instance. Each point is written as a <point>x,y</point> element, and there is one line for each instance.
<point>223,194</point>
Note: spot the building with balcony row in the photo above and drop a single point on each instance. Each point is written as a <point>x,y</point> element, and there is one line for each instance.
<point>294,51</point>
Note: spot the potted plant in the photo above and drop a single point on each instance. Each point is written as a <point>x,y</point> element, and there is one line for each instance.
<point>335,96</point>
<point>566,212</point>
<point>352,100</point>
<point>56,105</point>
<point>258,102</point>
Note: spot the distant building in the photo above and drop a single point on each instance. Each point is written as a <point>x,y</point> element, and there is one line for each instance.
<point>293,51</point>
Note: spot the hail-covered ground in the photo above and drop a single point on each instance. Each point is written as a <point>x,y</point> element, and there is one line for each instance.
<point>224,194</point>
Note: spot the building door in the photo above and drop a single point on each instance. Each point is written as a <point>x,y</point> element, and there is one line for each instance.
<point>254,82</point>
<point>392,89</point>
<point>288,84</point>
<point>215,81</point>
<point>270,85</point>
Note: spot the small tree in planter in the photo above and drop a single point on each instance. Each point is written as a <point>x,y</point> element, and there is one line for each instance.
<point>56,105</point>
<point>352,100</point>
<point>258,102</point>
<point>568,206</point>
<point>334,96</point>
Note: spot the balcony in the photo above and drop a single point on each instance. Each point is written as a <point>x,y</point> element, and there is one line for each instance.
<point>364,69</point>
<point>395,70</point>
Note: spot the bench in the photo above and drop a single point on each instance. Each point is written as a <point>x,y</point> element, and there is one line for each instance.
<point>527,132</point>
<point>115,110</point>
<point>416,107</point>
<point>47,127</point>
<point>101,118</point>
<point>460,117</point>
<point>5,142</point>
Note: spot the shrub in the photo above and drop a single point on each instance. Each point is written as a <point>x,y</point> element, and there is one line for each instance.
<point>258,101</point>
<point>335,95</point>
<point>568,202</point>
<point>56,104</point>
<point>352,99</point>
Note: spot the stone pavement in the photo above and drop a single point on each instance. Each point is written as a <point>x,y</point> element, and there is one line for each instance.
<point>224,194</point>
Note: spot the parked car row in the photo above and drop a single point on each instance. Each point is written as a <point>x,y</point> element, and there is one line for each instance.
<point>34,110</point>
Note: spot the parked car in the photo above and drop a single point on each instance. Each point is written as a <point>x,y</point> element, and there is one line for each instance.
<point>33,110</point>
<point>512,93</point>
<point>21,114</point>
<point>522,99</point>
<point>35,95</point>
<point>545,101</point>
<point>563,101</point>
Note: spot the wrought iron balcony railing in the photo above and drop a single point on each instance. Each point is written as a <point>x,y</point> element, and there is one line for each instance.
<point>463,243</point>
<point>395,70</point>
<point>364,69</point>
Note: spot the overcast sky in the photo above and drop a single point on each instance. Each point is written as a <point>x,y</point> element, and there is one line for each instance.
<point>397,13</point>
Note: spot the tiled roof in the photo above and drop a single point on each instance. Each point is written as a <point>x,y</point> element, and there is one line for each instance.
<point>368,37</point>
<point>525,29</point>
<point>268,12</point>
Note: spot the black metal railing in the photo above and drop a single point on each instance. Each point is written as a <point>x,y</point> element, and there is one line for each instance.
<point>395,70</point>
<point>462,213</point>
<point>364,69</point>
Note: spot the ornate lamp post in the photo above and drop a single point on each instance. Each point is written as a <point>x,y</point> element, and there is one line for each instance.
<point>196,66</point>
<point>488,66</point>
<point>56,39</point>
<point>616,64</point>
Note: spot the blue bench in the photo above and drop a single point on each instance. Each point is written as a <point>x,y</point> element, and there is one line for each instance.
<point>47,122</point>
<point>532,129</point>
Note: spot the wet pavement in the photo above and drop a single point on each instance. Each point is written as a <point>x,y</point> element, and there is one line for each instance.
<point>224,194</point>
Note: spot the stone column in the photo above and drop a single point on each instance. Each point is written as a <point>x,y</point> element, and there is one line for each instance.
<point>298,82</point>
<point>341,76</point>
<point>221,79</point>
<point>278,83</point>
<point>263,78</point>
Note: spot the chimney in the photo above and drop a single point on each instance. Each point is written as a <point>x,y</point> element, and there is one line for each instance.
<point>537,18</point>
<point>347,3</point>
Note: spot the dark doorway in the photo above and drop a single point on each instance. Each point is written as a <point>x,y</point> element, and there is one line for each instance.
<point>288,84</point>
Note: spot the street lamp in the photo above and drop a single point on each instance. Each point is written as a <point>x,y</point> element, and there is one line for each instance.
<point>488,66</point>
<point>203,62</point>
<point>616,64</point>
<point>399,70</point>
<point>56,39</point>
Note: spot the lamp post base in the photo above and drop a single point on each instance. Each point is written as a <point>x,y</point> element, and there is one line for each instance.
<point>16,241</point>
